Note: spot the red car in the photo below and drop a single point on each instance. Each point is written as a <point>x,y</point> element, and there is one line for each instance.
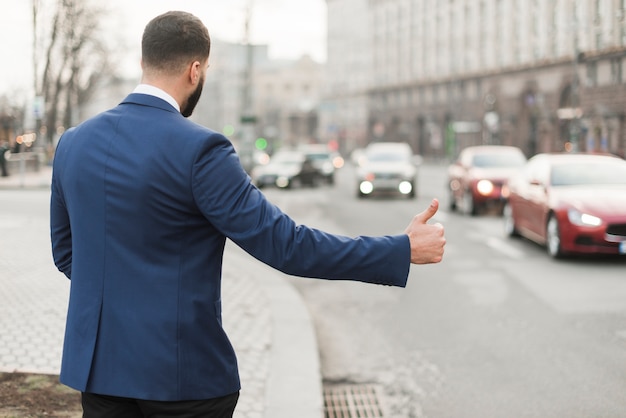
<point>571,203</point>
<point>476,178</point>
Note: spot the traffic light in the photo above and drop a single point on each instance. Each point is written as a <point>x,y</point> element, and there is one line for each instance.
<point>260,143</point>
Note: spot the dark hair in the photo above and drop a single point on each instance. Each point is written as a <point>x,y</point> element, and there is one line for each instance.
<point>172,40</point>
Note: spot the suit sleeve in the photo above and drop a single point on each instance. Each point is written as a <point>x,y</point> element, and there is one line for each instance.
<point>60,230</point>
<point>227,198</point>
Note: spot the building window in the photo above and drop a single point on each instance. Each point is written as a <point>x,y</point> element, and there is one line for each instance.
<point>616,70</point>
<point>621,21</point>
<point>553,33</point>
<point>592,74</point>
<point>598,24</point>
<point>483,35</point>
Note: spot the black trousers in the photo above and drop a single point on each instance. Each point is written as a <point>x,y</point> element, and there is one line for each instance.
<point>102,406</point>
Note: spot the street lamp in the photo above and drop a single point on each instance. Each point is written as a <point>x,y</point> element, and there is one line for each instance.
<point>247,118</point>
<point>577,57</point>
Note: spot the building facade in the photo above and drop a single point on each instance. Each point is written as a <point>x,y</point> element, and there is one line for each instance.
<point>286,101</point>
<point>348,73</point>
<point>544,75</point>
<point>261,98</point>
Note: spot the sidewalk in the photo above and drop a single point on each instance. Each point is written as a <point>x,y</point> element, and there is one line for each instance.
<point>27,179</point>
<point>264,316</point>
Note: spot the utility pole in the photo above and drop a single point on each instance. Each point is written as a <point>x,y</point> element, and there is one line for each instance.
<point>38,101</point>
<point>34,56</point>
<point>575,127</point>
<point>247,119</point>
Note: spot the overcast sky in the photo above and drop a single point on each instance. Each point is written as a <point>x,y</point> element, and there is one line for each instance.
<point>290,27</point>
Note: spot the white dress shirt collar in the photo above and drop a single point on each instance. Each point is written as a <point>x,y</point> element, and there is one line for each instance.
<point>155,91</point>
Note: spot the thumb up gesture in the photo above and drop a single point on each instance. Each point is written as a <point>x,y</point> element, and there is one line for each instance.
<point>427,240</point>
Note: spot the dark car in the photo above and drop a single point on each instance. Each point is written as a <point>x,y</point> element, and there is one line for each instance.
<point>324,160</point>
<point>571,203</point>
<point>287,169</point>
<point>476,178</point>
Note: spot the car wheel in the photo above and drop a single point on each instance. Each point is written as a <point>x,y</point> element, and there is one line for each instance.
<point>553,238</point>
<point>509,223</point>
<point>452,201</point>
<point>469,206</point>
<point>413,192</point>
<point>295,183</point>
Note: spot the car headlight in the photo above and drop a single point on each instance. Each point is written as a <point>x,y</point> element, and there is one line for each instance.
<point>583,219</point>
<point>405,187</point>
<point>505,192</point>
<point>327,168</point>
<point>338,162</point>
<point>366,187</point>
<point>484,187</point>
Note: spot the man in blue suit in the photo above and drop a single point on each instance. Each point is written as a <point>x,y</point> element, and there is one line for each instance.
<point>142,203</point>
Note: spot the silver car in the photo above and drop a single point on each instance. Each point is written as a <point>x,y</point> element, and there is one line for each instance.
<point>388,168</point>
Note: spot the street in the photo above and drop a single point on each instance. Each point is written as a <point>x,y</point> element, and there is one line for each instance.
<point>498,329</point>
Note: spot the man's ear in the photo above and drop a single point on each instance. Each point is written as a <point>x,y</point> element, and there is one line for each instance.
<point>195,72</point>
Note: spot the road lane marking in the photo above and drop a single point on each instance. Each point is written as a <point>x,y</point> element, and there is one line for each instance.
<point>504,248</point>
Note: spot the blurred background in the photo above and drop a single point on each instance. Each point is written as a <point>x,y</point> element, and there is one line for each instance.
<point>473,90</point>
<point>542,75</point>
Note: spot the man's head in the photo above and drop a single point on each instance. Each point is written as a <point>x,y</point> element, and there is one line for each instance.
<point>176,44</point>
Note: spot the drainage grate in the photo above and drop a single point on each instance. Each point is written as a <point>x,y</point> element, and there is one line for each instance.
<point>352,401</point>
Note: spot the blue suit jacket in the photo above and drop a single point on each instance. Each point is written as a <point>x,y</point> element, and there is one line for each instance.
<point>142,203</point>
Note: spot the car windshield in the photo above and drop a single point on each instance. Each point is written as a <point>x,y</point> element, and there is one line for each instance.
<point>498,160</point>
<point>387,156</point>
<point>287,158</point>
<point>588,173</point>
<point>318,156</point>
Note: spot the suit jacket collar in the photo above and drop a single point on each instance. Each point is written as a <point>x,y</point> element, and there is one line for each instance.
<point>149,100</point>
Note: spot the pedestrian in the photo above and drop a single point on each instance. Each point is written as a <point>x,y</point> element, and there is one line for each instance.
<point>5,152</point>
<point>142,203</point>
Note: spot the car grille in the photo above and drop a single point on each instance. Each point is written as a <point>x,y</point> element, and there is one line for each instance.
<point>388,176</point>
<point>617,230</point>
<point>590,242</point>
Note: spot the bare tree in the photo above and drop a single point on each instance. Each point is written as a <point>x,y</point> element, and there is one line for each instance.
<point>75,60</point>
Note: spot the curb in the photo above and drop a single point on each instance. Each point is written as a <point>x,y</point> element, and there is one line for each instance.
<point>40,179</point>
<point>294,384</point>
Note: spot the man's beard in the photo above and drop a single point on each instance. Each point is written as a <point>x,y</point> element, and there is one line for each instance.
<point>192,100</point>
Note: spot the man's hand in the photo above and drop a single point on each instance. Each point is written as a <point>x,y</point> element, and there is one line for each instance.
<point>427,241</point>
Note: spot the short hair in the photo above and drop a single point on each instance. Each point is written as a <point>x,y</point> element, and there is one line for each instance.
<point>171,40</point>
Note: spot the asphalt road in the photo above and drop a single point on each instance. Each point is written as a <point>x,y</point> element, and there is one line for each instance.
<point>498,329</point>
